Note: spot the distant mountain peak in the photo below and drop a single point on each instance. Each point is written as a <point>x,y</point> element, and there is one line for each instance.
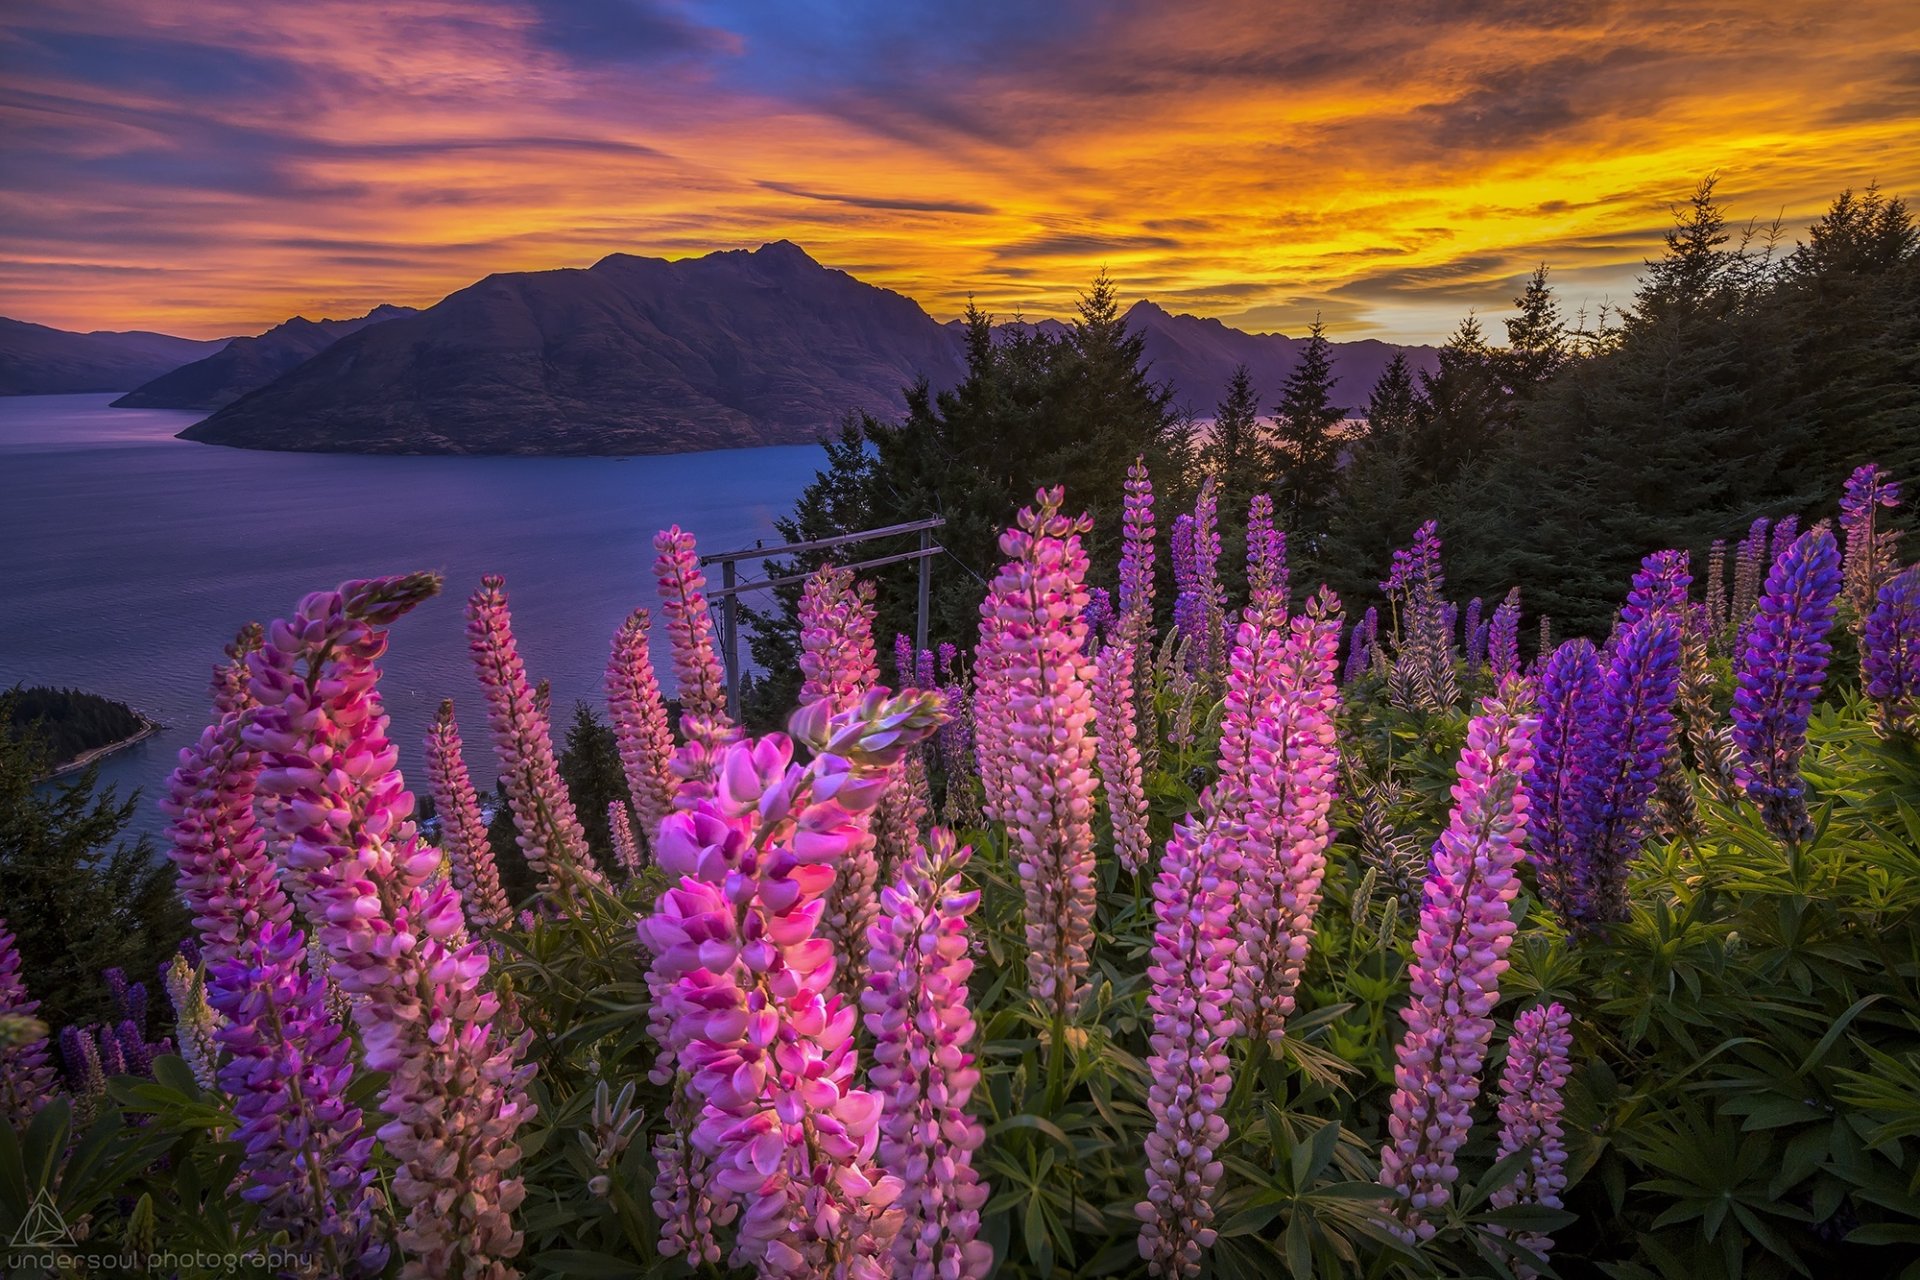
<point>247,364</point>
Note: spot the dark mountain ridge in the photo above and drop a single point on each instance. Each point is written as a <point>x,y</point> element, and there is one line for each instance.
<point>36,360</point>
<point>247,364</point>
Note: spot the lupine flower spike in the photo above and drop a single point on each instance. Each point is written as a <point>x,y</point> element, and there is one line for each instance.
<point>463,832</point>
<point>639,713</point>
<point>626,851</point>
<point>455,1092</point>
<point>1136,555</point>
<point>1503,638</point>
<point>1032,618</point>
<point>26,1074</point>
<point>1266,559</point>
<point>549,832</point>
<point>1532,1099</point>
<point>916,1010</point>
<point>1869,543</point>
<point>1890,653</point>
<point>697,670</point>
<point>1781,669</point>
<point>1121,769</point>
<point>1459,953</point>
<point>194,1021</point>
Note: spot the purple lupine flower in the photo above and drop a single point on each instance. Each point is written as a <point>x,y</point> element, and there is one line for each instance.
<point>1779,676</point>
<point>1266,558</point>
<point>1503,638</point>
<point>1560,786</point>
<point>26,1076</point>
<point>1890,652</point>
<point>1532,1100</point>
<point>1472,637</point>
<point>1362,643</point>
<point>1660,587</point>
<point>1188,1068</point>
<point>923,664</point>
<point>916,1010</point>
<point>1136,552</point>
<point>949,654</point>
<point>1749,569</point>
<point>1187,609</point>
<point>1785,530</point>
<point>1459,953</point>
<point>1634,733</point>
<point>902,660</point>
<point>1098,615</point>
<point>1869,544</point>
<point>1200,609</point>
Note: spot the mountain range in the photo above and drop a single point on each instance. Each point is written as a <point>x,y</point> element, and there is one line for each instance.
<point>247,364</point>
<point>38,361</point>
<point>643,355</point>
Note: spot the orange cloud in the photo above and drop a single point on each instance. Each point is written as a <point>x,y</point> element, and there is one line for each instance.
<point>1388,168</point>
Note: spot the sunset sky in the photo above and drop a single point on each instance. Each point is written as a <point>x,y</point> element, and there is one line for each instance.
<point>213,167</point>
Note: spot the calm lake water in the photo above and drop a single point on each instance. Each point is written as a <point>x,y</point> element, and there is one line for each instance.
<point>128,558</point>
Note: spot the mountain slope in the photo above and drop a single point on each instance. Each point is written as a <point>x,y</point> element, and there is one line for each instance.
<point>247,364</point>
<point>631,355</point>
<point>38,361</point>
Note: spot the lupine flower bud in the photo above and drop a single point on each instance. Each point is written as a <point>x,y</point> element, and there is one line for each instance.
<point>1472,637</point>
<point>1459,953</point>
<point>1869,549</point>
<point>697,670</point>
<point>1749,568</point>
<point>1532,1097</point>
<point>1136,555</point>
<point>1779,675</point>
<point>1503,638</point>
<point>1119,754</point>
<point>26,1075</point>
<point>1890,652</point>
<point>916,1011</point>
<point>1032,619</point>
<point>639,713</point>
<point>463,832</point>
<point>1267,577</point>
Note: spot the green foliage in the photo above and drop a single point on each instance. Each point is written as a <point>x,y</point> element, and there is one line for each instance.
<point>68,722</point>
<point>79,896</point>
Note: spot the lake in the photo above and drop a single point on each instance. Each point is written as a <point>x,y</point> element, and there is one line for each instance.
<point>128,558</point>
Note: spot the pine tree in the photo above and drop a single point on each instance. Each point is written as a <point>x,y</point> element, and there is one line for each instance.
<point>1537,339</point>
<point>1393,407</point>
<point>1464,405</point>
<point>590,766</point>
<point>1306,440</point>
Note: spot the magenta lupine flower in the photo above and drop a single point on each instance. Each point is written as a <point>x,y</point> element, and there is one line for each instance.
<point>287,1066</point>
<point>1136,554</point>
<point>26,1074</point>
<point>463,832</point>
<point>1890,651</point>
<point>455,1091</point>
<point>1869,544</point>
<point>548,830</point>
<point>747,987</point>
<point>1121,769</point>
<point>1266,558</point>
<point>1037,600</point>
<point>1472,637</point>
<point>697,670</point>
<point>1779,676</point>
<point>1289,772</point>
<point>1459,953</point>
<point>1532,1099</point>
<point>837,660</point>
<point>626,851</point>
<point>640,724</point>
<point>1660,587</point>
<point>1632,736</point>
<point>916,1010</point>
<point>1503,638</point>
<point>1188,1069</point>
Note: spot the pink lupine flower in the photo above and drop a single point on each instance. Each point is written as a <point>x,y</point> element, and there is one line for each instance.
<point>463,832</point>
<point>1290,775</point>
<point>1188,1068</point>
<point>837,658</point>
<point>1266,558</point>
<point>1037,600</point>
<point>620,830</point>
<point>455,1092</point>
<point>1532,1098</point>
<point>697,670</point>
<point>1136,556</point>
<point>640,725</point>
<point>548,831</point>
<point>1459,953</point>
<point>916,1010</point>
<point>287,1067</point>
<point>682,1190</point>
<point>1119,754</point>
<point>26,1073</point>
<point>991,726</point>
<point>747,986</point>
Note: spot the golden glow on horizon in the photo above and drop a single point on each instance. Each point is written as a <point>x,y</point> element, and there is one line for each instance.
<point>1386,172</point>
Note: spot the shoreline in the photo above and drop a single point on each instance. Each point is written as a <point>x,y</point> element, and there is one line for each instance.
<point>147,729</point>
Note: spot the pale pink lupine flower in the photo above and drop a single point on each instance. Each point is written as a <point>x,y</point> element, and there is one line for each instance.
<point>917,1012</point>
<point>1039,598</point>
<point>548,830</point>
<point>620,831</point>
<point>1119,753</point>
<point>463,832</point>
<point>1137,555</point>
<point>990,714</point>
<point>639,714</point>
<point>697,670</point>
<point>1532,1099</point>
<point>747,987</point>
<point>1459,953</point>
<point>1188,1069</point>
<point>837,656</point>
<point>455,1091</point>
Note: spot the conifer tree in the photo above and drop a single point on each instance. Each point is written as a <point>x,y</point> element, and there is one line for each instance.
<point>1306,439</point>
